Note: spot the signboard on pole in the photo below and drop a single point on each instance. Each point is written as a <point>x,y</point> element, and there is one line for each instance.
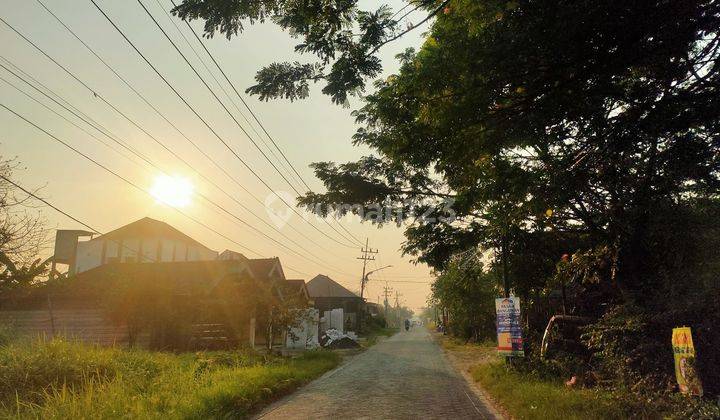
<point>685,370</point>
<point>509,330</point>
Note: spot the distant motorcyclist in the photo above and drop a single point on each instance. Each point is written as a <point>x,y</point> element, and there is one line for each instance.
<point>407,325</point>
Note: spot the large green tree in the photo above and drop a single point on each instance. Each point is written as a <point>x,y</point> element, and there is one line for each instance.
<point>556,118</point>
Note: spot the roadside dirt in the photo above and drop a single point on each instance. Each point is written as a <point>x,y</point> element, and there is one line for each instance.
<point>463,357</point>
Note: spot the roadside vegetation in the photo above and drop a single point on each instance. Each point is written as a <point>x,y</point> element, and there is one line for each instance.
<point>59,379</point>
<point>565,153</point>
<point>526,397</point>
<point>528,394</point>
<point>375,328</point>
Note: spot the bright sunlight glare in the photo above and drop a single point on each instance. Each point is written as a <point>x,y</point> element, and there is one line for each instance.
<point>172,190</point>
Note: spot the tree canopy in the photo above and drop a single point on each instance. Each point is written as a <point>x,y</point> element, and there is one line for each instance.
<point>562,119</point>
<point>344,39</point>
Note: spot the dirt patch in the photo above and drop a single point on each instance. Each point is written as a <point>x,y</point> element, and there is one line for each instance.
<point>463,357</point>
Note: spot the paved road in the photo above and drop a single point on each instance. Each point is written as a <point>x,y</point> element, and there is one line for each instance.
<point>404,377</point>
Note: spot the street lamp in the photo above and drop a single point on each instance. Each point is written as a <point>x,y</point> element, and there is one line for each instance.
<point>365,279</point>
<point>362,291</point>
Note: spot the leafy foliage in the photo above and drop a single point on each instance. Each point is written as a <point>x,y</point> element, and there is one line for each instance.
<point>469,294</point>
<point>584,128</point>
<point>344,38</point>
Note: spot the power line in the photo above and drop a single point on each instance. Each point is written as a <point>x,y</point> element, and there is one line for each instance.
<point>63,117</point>
<point>405,281</point>
<point>230,114</point>
<point>257,120</point>
<point>131,183</point>
<point>194,144</point>
<point>154,165</point>
<point>47,203</point>
<point>136,153</point>
<point>222,140</point>
<point>232,85</point>
<point>84,224</point>
<point>219,84</point>
<point>78,114</point>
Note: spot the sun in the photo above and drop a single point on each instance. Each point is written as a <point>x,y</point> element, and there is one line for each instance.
<point>172,190</point>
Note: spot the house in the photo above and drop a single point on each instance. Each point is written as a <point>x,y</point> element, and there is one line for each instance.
<point>231,255</point>
<point>145,240</point>
<point>327,294</point>
<point>374,309</point>
<point>147,267</point>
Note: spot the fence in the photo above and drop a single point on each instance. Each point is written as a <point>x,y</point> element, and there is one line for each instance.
<point>86,325</point>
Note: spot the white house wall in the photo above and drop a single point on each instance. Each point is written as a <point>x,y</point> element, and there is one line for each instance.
<point>90,253</point>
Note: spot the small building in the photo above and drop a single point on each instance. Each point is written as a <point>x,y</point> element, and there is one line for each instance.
<point>327,294</point>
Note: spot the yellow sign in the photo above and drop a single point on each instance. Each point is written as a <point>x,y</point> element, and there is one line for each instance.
<point>685,370</point>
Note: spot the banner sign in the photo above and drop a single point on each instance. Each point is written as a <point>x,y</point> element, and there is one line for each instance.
<point>509,330</point>
<point>685,371</point>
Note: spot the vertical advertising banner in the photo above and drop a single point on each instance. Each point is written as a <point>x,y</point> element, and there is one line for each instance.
<point>685,370</point>
<point>509,330</point>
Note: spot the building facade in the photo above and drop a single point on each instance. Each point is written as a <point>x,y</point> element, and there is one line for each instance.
<point>145,240</point>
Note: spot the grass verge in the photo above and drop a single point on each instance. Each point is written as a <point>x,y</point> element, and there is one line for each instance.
<point>60,379</point>
<point>525,397</point>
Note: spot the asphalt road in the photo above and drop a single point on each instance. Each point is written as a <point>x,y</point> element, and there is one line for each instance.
<point>404,377</point>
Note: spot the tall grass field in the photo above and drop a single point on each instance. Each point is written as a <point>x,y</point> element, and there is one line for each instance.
<point>59,379</point>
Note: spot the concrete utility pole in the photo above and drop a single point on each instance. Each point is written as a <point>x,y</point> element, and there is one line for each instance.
<point>397,307</point>
<point>366,256</point>
<point>386,291</point>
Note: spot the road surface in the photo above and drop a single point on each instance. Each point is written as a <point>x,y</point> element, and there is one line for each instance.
<point>404,377</point>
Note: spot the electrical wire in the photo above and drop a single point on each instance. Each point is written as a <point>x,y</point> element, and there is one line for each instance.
<point>159,113</point>
<point>131,183</point>
<point>155,166</point>
<point>255,117</point>
<point>212,130</point>
<point>230,114</point>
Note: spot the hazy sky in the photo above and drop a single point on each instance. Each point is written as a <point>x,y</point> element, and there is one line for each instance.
<point>308,131</point>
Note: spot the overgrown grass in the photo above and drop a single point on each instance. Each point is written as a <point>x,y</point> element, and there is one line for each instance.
<point>525,397</point>
<point>458,344</point>
<point>60,379</point>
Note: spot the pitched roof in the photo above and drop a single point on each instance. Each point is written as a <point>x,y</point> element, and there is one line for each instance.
<point>148,227</point>
<point>263,267</point>
<point>323,286</point>
<point>231,255</point>
<point>187,277</point>
<point>297,286</point>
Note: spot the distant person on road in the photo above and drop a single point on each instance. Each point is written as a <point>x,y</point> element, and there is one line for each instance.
<point>407,325</point>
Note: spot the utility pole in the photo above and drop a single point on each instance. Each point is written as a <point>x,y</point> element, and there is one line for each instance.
<point>366,256</point>
<point>397,308</point>
<point>386,291</point>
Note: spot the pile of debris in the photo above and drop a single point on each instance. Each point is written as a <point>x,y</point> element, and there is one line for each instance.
<point>334,339</point>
